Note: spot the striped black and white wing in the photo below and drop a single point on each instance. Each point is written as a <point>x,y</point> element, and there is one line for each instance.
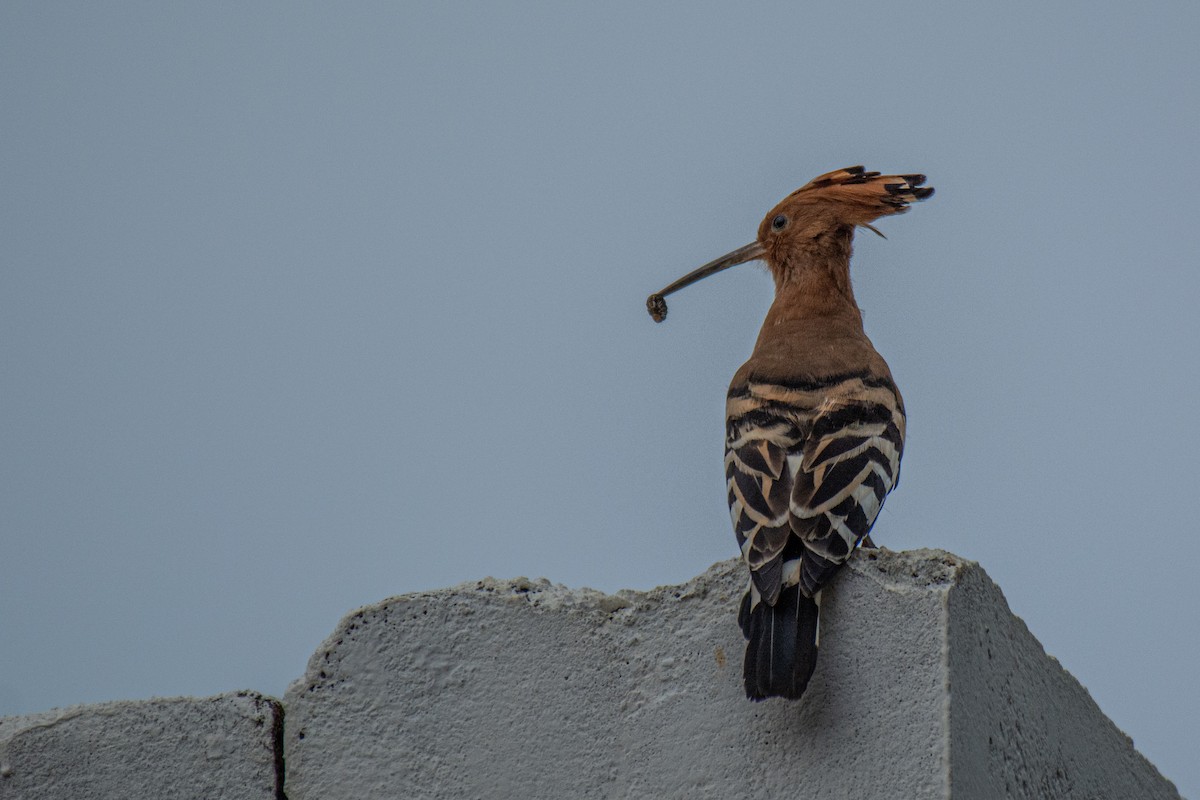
<point>807,469</point>
<point>850,461</point>
<point>763,446</point>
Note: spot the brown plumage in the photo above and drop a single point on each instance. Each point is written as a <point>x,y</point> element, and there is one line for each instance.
<point>814,421</point>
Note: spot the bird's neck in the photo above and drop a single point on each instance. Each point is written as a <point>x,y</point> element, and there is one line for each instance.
<point>814,327</point>
<point>815,289</point>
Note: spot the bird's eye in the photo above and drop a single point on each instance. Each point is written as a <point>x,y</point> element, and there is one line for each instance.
<point>779,222</point>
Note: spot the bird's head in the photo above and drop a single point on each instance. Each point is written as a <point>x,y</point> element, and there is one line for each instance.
<point>816,220</point>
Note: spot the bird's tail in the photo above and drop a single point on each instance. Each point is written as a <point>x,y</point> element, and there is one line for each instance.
<point>863,196</point>
<point>781,649</point>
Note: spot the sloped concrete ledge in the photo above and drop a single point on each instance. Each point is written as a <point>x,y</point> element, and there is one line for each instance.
<point>1020,725</point>
<point>927,687</point>
<point>226,746</point>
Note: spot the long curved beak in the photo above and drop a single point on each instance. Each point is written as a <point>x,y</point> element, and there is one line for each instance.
<point>657,305</point>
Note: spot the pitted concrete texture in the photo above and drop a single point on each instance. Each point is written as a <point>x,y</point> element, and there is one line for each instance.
<point>225,746</point>
<point>1020,725</point>
<point>926,687</point>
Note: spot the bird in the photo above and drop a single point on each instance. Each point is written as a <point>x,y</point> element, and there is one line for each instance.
<point>815,424</point>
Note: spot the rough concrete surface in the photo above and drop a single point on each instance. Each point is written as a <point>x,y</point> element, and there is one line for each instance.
<point>225,746</point>
<point>926,687</point>
<point>1021,726</point>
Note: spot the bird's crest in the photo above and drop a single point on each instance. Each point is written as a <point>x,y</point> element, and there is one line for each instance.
<point>862,196</point>
<point>855,184</point>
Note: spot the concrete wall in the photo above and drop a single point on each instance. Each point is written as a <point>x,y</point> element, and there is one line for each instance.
<point>226,746</point>
<point>927,687</point>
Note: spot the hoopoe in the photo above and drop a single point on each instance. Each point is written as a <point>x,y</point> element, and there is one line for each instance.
<point>814,424</point>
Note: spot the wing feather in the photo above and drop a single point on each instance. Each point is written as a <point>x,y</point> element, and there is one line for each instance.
<point>807,479</point>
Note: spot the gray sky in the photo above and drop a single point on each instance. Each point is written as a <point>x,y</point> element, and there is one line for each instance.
<point>302,307</point>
